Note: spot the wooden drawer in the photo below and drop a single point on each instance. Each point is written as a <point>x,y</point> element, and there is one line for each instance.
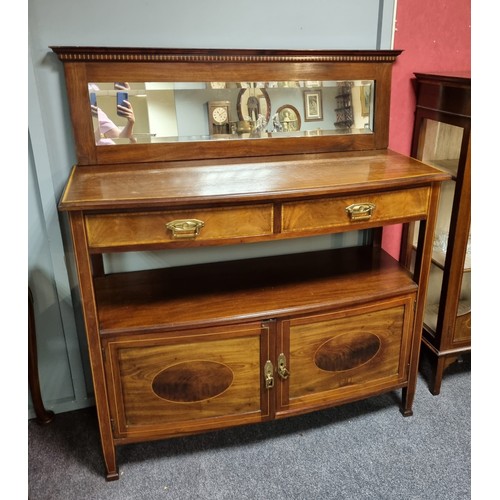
<point>150,228</point>
<point>182,382</point>
<point>330,213</point>
<point>340,357</point>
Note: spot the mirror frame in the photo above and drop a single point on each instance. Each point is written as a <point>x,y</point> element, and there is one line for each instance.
<point>97,64</point>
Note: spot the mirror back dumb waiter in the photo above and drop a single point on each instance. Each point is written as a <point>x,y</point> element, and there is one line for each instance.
<point>182,350</point>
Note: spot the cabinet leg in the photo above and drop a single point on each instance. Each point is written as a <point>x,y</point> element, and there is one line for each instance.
<point>107,442</point>
<point>43,416</point>
<point>109,453</point>
<point>112,475</point>
<point>407,404</point>
<point>437,365</point>
<point>438,368</point>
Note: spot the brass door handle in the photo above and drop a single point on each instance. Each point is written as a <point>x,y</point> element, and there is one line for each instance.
<point>185,228</point>
<point>360,211</point>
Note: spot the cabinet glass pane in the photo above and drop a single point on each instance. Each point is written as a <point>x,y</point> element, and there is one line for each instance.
<point>442,230</point>
<point>434,296</point>
<point>440,144</point>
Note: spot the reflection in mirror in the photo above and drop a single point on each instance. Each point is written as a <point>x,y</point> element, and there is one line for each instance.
<point>287,119</point>
<point>151,112</point>
<point>254,107</point>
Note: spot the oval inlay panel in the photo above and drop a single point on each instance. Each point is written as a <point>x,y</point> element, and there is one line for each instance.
<point>192,381</point>
<point>347,351</point>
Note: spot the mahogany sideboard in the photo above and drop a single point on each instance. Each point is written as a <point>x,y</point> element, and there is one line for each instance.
<point>192,348</point>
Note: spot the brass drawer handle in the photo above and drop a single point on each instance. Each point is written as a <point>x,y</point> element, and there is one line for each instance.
<point>185,228</point>
<point>360,211</point>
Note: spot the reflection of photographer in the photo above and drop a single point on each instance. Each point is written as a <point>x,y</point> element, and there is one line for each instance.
<point>108,130</point>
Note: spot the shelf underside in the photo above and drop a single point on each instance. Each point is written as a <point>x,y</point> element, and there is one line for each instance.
<point>254,289</point>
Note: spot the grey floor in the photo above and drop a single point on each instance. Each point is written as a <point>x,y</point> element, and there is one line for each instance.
<point>364,450</point>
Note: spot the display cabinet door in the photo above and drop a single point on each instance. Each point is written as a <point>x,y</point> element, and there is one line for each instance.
<point>443,141</point>
<point>339,357</point>
<point>182,382</point>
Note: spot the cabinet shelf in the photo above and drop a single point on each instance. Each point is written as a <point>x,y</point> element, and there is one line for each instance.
<point>254,289</point>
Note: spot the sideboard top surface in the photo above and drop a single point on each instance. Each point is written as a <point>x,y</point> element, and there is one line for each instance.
<point>130,186</point>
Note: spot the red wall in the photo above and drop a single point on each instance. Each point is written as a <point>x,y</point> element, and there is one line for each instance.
<point>435,35</point>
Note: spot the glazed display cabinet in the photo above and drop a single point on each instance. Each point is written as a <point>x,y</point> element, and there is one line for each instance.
<point>442,138</point>
<point>207,161</point>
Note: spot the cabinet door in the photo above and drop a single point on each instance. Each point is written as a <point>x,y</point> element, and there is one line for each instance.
<point>446,145</point>
<point>339,357</point>
<point>181,382</point>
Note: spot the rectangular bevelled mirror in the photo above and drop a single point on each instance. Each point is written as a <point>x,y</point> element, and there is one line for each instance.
<point>165,112</point>
<point>142,105</point>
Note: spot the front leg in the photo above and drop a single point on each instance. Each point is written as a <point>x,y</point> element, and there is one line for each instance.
<point>407,403</point>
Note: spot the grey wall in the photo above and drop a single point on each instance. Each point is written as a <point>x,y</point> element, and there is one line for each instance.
<point>287,24</point>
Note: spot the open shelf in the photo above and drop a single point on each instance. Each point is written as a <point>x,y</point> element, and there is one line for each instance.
<point>254,289</point>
